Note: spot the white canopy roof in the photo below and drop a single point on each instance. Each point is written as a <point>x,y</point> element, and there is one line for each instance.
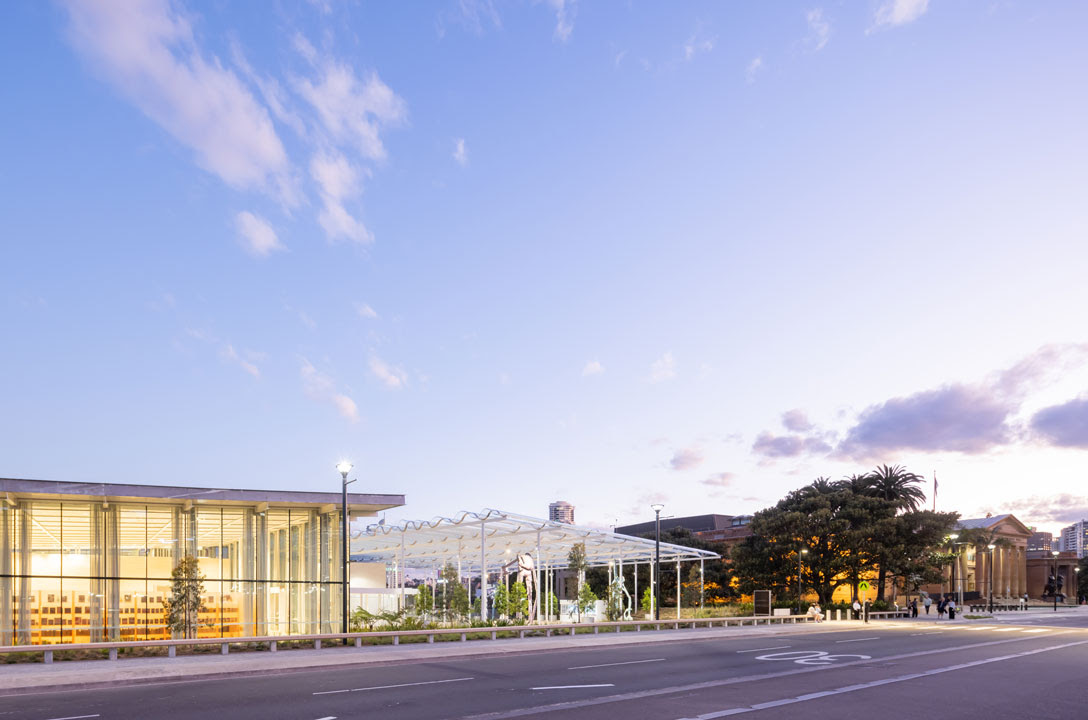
<point>433,543</point>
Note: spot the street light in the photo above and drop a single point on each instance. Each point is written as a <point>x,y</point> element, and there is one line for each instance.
<point>991,546</point>
<point>804,551</point>
<point>344,467</point>
<point>1055,588</point>
<point>1076,582</point>
<point>657,508</point>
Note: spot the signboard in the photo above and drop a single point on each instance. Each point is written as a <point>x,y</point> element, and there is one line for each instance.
<point>762,601</point>
<point>864,586</point>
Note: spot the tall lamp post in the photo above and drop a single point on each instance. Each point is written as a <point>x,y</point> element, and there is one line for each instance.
<point>991,546</point>
<point>344,467</point>
<point>800,554</point>
<point>1076,582</point>
<point>657,508</point>
<point>1055,554</point>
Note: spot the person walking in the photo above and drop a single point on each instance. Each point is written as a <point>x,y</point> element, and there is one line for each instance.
<point>927,602</point>
<point>951,609</point>
<point>940,608</point>
<point>857,609</point>
<point>914,608</point>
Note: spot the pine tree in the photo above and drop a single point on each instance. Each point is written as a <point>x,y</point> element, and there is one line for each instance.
<point>186,600</point>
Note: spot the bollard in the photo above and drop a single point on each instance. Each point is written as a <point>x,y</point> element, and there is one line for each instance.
<point>430,639</point>
<point>271,646</point>
<point>359,641</point>
<point>494,635</point>
<point>224,649</point>
<point>396,639</point>
<point>172,651</point>
<point>113,653</point>
<point>317,644</point>
<point>463,637</point>
<point>48,656</point>
<point>572,632</point>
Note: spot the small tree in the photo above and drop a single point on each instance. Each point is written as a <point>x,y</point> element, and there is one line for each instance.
<point>647,599</point>
<point>186,599</point>
<point>424,600</point>
<point>501,601</point>
<point>517,603</point>
<point>576,561</point>
<point>587,599</point>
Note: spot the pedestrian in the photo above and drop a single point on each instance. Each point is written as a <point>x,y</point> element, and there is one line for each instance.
<point>951,609</point>
<point>927,602</point>
<point>857,609</point>
<point>940,608</point>
<point>914,608</point>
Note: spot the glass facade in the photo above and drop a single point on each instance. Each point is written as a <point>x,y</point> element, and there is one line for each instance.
<point>94,571</point>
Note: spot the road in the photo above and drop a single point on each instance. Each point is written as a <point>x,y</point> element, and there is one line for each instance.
<point>1001,669</point>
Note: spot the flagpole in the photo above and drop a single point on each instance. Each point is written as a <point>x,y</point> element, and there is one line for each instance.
<point>934,491</point>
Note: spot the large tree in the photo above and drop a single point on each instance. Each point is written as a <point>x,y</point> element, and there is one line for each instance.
<point>895,485</point>
<point>186,600</point>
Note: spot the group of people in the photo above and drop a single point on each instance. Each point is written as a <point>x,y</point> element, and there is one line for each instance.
<point>945,604</point>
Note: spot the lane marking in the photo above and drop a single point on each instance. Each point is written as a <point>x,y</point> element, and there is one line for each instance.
<point>383,687</point>
<point>657,692</point>
<point>878,683</point>
<point>776,647</point>
<point>1006,630</point>
<point>571,687</point>
<point>75,717</point>
<point>629,662</point>
<point>1036,630</point>
<point>329,717</point>
<point>856,640</point>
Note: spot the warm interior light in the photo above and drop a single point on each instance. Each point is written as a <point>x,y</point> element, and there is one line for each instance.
<point>991,546</point>
<point>804,551</point>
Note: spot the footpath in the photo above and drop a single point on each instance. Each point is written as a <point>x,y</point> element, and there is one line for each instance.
<point>20,678</point>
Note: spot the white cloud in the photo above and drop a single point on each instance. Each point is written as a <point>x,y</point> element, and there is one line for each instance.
<point>593,367</point>
<point>352,110</point>
<point>321,387</point>
<point>719,480</point>
<point>230,354</point>
<point>696,44</point>
<point>899,12</point>
<point>753,69</point>
<point>460,152</point>
<point>365,311</point>
<point>147,51</point>
<point>337,181</point>
<point>347,407</point>
<point>686,459</point>
<point>565,10</point>
<point>619,57</point>
<point>819,29</point>
<point>257,236</point>
<point>664,368</point>
<point>392,377</point>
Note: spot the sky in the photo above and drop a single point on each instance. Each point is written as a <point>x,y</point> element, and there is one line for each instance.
<point>498,254</point>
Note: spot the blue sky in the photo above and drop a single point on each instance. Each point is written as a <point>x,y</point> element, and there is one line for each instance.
<point>499,254</point>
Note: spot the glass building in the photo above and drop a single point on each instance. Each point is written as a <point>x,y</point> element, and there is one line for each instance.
<point>93,562</point>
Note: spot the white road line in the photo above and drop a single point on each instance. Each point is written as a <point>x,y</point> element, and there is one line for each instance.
<point>1037,630</point>
<point>75,717</point>
<point>382,687</point>
<point>571,687</point>
<point>984,627</point>
<point>877,683</point>
<point>776,647</point>
<point>1006,629</point>
<point>856,640</point>
<point>329,717</point>
<point>629,662</point>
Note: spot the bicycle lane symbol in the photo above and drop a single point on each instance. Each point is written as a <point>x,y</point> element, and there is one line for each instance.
<point>810,657</point>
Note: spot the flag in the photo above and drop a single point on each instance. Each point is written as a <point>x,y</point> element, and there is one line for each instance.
<point>934,491</point>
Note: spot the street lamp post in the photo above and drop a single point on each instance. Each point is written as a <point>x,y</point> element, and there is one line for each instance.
<point>657,508</point>
<point>1076,582</point>
<point>991,546</point>
<point>344,467</point>
<point>1055,588</point>
<point>800,554</point>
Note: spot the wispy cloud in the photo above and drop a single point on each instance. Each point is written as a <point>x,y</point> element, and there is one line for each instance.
<point>338,180</point>
<point>788,446</point>
<point>719,481</point>
<point>698,44</point>
<point>753,69</point>
<point>256,235</point>
<point>664,368</point>
<point>686,459</point>
<point>819,29</point>
<point>320,386</point>
<point>796,420</point>
<point>391,377</point>
<point>1060,508</point>
<point>898,12</point>
<point>460,152</point>
<point>565,10</point>
<point>147,51</point>
<point>1064,425</point>
<point>230,354</point>
<point>593,367</point>
<point>365,311</point>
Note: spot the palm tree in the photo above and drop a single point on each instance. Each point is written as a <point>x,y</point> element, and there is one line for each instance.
<point>898,486</point>
<point>857,484</point>
<point>821,486</point>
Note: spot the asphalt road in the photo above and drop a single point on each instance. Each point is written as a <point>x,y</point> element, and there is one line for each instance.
<point>996,670</point>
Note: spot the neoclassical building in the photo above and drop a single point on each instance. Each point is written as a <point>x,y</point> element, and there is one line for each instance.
<point>976,564</point>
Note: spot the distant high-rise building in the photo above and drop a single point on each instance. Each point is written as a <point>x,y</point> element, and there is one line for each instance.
<point>1075,538</point>
<point>1041,541</point>
<point>561,511</point>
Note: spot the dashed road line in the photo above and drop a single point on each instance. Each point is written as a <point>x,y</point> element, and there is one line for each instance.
<point>629,662</point>
<point>383,687</point>
<point>776,647</point>
<point>572,687</point>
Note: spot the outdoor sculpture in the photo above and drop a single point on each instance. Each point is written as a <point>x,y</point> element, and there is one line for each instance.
<point>527,575</point>
<point>619,589</point>
<point>1054,586</point>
